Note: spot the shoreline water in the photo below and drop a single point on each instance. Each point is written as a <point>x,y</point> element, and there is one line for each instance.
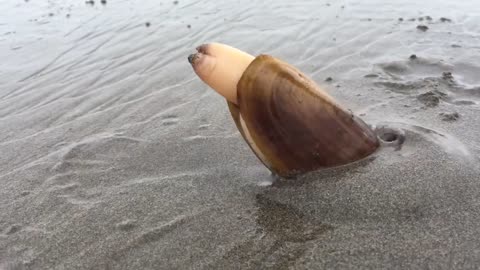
<point>115,156</point>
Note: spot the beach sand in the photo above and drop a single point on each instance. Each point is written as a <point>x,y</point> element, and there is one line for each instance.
<point>114,155</point>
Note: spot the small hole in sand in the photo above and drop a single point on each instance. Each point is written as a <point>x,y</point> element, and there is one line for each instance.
<point>388,137</point>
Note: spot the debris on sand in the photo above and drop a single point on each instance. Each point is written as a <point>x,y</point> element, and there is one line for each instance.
<point>443,19</point>
<point>431,98</point>
<point>90,2</point>
<point>447,76</point>
<point>450,117</point>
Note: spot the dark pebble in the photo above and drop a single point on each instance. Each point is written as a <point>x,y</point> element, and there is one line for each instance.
<point>189,26</point>
<point>443,19</point>
<point>400,19</point>
<point>413,57</point>
<point>455,46</point>
<point>428,18</point>
<point>90,2</point>
<point>420,19</point>
<point>147,24</point>
<point>175,2</point>
<point>104,2</point>
<point>328,79</point>
<point>422,27</point>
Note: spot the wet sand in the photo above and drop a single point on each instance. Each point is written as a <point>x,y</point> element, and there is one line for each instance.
<point>114,155</point>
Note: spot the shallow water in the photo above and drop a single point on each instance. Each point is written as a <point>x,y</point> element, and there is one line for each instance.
<point>115,155</point>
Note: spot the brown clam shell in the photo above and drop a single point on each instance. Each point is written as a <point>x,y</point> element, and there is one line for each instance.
<point>292,125</point>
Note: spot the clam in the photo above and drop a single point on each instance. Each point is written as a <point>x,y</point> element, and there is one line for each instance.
<point>290,123</point>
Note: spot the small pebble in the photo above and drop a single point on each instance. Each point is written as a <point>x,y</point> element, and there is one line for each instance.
<point>104,2</point>
<point>413,57</point>
<point>126,225</point>
<point>189,26</point>
<point>90,2</point>
<point>147,24</point>
<point>443,19</point>
<point>428,18</point>
<point>328,79</point>
<point>175,2</point>
<point>400,19</point>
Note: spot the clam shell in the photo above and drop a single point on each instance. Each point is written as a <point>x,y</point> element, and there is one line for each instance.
<point>292,125</point>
